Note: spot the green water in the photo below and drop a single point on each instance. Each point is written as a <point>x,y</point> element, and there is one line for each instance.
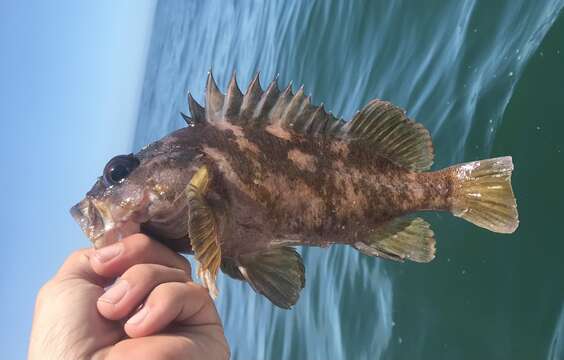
<point>487,78</point>
<point>497,296</point>
<point>533,132</point>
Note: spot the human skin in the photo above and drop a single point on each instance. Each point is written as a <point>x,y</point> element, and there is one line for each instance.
<point>152,311</point>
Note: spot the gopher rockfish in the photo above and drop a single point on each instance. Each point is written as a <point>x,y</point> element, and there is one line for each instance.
<point>254,174</point>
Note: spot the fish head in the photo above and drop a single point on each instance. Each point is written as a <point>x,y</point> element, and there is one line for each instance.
<point>135,190</point>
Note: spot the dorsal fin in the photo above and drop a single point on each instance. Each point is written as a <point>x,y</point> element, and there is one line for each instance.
<point>387,130</point>
<point>267,101</point>
<point>294,107</point>
<point>251,98</point>
<point>197,110</point>
<point>214,101</point>
<point>188,119</point>
<point>381,126</point>
<point>276,114</point>
<point>233,100</point>
<point>270,108</point>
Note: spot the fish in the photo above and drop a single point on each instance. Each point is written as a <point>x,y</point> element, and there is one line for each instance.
<point>254,175</point>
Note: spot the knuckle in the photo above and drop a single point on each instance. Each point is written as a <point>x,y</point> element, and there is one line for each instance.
<point>223,348</point>
<point>75,259</point>
<point>137,242</point>
<point>184,264</point>
<point>199,291</point>
<point>45,291</point>
<point>167,292</point>
<point>196,288</point>
<point>179,275</point>
<point>78,256</point>
<point>142,272</point>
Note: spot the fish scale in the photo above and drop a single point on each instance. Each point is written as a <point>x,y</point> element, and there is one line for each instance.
<point>257,173</point>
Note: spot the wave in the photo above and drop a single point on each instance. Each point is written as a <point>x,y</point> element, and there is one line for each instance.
<point>452,65</point>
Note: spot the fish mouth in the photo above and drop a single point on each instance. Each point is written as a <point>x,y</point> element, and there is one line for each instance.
<point>96,221</point>
<point>88,218</point>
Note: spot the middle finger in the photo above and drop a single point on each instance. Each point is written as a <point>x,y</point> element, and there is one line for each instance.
<point>129,291</point>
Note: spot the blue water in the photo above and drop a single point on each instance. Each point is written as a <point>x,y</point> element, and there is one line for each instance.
<point>455,66</point>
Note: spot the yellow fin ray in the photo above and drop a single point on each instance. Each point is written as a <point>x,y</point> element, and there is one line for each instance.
<point>203,230</point>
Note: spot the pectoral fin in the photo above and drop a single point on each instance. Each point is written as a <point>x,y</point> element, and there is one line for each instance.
<point>203,230</point>
<point>229,267</point>
<point>276,273</point>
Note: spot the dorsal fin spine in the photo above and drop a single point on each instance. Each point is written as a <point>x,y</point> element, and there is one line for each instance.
<point>314,116</point>
<point>264,108</point>
<point>197,111</point>
<point>319,122</point>
<point>288,89</point>
<point>189,121</point>
<point>336,127</point>
<point>292,110</point>
<point>304,114</point>
<point>382,126</point>
<point>281,105</point>
<point>267,100</point>
<point>214,100</point>
<point>251,98</point>
<point>233,100</point>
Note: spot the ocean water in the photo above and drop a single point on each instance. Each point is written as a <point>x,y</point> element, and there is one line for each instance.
<point>486,78</point>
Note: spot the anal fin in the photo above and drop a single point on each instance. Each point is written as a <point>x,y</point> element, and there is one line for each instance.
<point>399,240</point>
<point>277,273</point>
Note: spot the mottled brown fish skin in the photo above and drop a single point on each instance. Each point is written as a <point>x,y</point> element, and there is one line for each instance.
<point>307,191</point>
<point>254,175</point>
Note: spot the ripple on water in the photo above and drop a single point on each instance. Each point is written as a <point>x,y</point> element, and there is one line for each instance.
<point>442,60</point>
<point>556,350</point>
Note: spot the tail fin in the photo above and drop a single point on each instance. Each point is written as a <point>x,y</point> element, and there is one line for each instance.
<point>483,194</point>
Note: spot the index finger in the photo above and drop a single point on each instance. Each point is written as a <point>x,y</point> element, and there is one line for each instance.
<point>114,260</point>
<point>77,265</point>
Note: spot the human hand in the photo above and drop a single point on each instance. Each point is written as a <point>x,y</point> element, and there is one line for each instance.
<point>153,310</point>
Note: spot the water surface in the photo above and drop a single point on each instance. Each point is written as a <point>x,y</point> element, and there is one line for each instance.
<point>485,78</point>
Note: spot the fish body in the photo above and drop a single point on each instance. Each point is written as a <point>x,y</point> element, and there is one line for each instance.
<point>254,174</point>
<point>306,191</point>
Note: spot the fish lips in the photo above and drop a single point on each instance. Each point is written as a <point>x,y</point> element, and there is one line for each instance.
<point>98,224</point>
<point>88,218</point>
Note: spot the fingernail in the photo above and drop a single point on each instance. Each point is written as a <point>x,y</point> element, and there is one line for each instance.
<point>115,293</point>
<point>139,316</point>
<point>109,252</point>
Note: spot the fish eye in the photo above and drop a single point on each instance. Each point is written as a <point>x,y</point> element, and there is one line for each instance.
<point>118,168</point>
